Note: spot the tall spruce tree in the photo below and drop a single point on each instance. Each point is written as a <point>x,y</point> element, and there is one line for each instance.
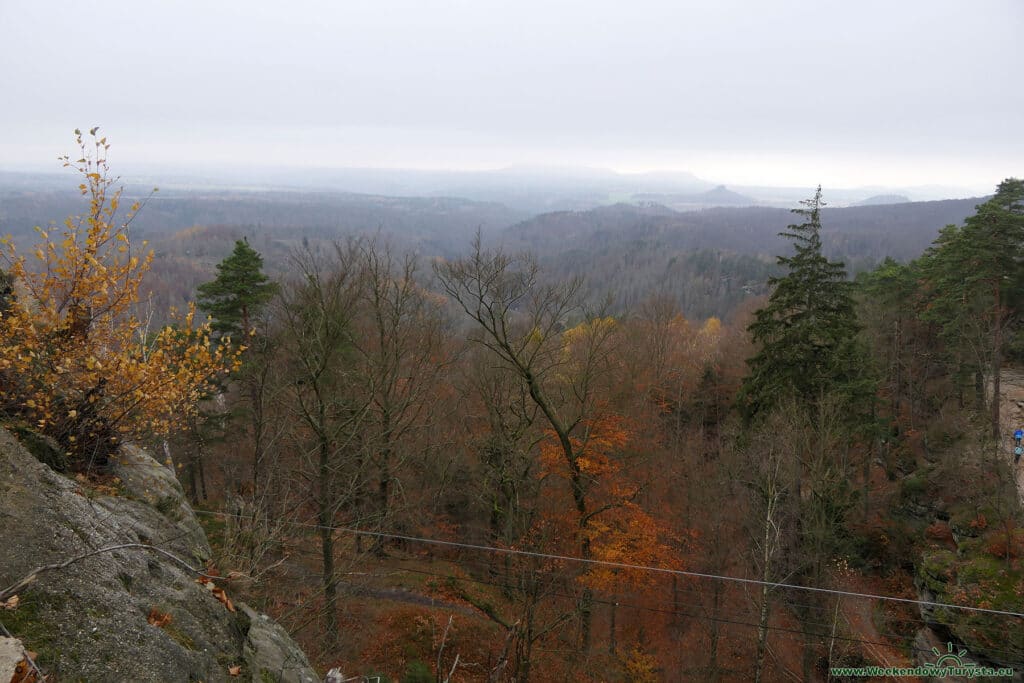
<point>235,299</point>
<point>812,372</point>
<point>238,293</point>
<point>807,331</point>
<point>976,287</point>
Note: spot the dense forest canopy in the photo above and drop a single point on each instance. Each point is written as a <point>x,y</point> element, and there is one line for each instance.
<point>460,446</point>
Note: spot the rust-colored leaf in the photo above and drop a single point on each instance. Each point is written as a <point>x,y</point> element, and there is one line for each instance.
<point>223,597</point>
<point>234,670</point>
<point>158,618</point>
<point>24,673</point>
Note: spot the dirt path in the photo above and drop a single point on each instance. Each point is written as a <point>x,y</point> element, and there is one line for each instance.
<point>857,612</point>
<point>1011,415</point>
<point>408,597</point>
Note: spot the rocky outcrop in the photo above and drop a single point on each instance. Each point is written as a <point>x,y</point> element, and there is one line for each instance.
<point>147,480</point>
<point>270,650</point>
<point>92,619</point>
<point>950,578</point>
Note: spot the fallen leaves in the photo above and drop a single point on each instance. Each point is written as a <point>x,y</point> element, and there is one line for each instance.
<point>217,591</point>
<point>234,670</point>
<point>11,602</point>
<point>223,597</point>
<point>24,672</point>
<point>158,618</point>
<point>98,485</point>
<point>104,490</point>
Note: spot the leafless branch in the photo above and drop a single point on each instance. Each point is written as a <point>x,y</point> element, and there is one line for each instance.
<point>34,574</point>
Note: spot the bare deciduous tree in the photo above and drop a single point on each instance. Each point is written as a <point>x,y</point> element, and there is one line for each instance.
<point>316,313</point>
<point>520,319</point>
<point>402,349</point>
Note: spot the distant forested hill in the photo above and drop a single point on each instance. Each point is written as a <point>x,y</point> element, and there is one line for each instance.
<point>434,225</point>
<point>861,233</point>
<point>710,260</point>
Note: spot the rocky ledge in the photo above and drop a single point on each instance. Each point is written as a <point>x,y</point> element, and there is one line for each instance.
<point>130,614</point>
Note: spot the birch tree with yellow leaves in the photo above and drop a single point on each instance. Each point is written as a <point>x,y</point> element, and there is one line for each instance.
<point>76,362</point>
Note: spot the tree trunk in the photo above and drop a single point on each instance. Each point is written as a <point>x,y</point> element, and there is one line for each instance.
<point>586,603</point>
<point>257,434</point>
<point>611,630</point>
<point>256,411</point>
<point>675,601</point>
<point>997,363</point>
<point>762,635</point>
<point>384,480</point>
<point>196,477</point>
<point>979,390</point>
<point>326,522</point>
<point>528,640</point>
<point>897,384</point>
<point>329,584</point>
<point>869,457</point>
<point>716,601</point>
<point>201,467</point>
<point>586,615</point>
<point>383,495</point>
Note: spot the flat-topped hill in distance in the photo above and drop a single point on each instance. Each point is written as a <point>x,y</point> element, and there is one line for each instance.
<point>883,199</point>
<point>719,196</point>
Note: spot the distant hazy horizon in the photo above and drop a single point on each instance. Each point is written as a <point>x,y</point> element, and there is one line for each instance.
<point>148,158</point>
<point>788,93</point>
<point>411,182</point>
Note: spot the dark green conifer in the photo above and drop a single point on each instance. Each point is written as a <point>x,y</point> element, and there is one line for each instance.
<point>239,292</point>
<point>976,286</point>
<point>806,332</point>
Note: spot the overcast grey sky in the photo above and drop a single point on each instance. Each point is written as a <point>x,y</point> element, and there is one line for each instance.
<point>840,92</point>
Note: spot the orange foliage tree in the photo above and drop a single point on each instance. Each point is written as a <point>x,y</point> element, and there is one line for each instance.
<point>628,534</point>
<point>75,359</point>
<point>589,504</point>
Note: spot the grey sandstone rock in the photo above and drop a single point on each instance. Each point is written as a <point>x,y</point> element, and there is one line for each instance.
<point>147,480</point>
<point>10,655</point>
<point>88,621</point>
<point>271,653</point>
